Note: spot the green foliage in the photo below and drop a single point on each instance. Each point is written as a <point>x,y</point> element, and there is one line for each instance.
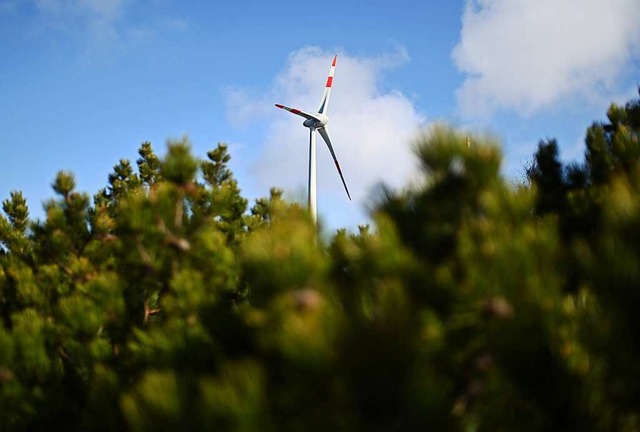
<point>180,166</point>
<point>470,305</point>
<point>148,165</point>
<point>13,228</point>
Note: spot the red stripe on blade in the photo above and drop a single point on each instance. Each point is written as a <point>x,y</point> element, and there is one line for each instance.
<point>334,60</point>
<point>329,81</point>
<point>295,111</point>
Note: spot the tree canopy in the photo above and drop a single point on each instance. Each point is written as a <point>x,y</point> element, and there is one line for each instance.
<point>165,303</point>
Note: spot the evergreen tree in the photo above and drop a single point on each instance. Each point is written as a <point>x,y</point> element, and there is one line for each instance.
<point>468,305</point>
<point>148,165</point>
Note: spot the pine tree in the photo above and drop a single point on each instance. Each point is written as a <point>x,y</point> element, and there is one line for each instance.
<point>468,304</point>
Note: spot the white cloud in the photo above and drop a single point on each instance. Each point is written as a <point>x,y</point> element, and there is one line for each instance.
<point>8,6</point>
<point>99,17</point>
<point>372,132</point>
<point>100,9</point>
<point>105,26</point>
<point>526,55</point>
<point>107,10</point>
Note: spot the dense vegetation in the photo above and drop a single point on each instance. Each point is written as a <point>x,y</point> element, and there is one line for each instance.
<point>472,304</point>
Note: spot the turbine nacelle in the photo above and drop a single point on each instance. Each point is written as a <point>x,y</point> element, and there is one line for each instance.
<point>319,120</point>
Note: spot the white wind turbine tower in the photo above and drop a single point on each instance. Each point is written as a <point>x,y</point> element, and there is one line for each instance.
<point>318,122</point>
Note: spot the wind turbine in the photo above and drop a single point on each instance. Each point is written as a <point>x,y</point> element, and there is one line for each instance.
<point>318,122</point>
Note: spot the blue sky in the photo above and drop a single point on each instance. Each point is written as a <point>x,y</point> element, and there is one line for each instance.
<point>84,82</point>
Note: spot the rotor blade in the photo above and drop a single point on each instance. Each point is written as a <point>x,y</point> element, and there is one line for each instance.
<point>297,111</point>
<point>325,136</point>
<point>324,102</point>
